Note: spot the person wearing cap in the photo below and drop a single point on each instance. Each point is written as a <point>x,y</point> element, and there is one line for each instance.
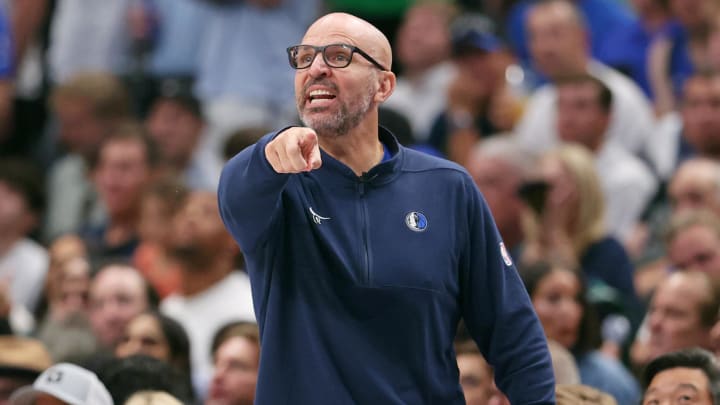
<point>478,102</point>
<point>21,362</point>
<point>64,384</point>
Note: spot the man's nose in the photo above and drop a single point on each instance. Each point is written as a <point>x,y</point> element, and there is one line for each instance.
<point>318,67</point>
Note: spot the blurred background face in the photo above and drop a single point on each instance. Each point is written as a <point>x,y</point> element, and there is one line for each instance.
<point>144,335</point>
<point>580,118</point>
<point>121,175</point>
<point>499,182</point>
<point>198,228</point>
<point>235,377</point>
<point>691,13</point>
<point>117,295</point>
<point>674,316</point>
<point>700,113</point>
<point>476,379</point>
<point>155,220</point>
<point>15,216</point>
<point>563,194</point>
<point>696,248</point>
<point>680,385</point>
<point>175,130</point>
<point>694,187</point>
<point>423,38</point>
<point>555,42</point>
<point>80,130</point>
<point>557,303</point>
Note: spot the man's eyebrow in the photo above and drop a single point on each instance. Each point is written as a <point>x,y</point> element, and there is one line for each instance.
<point>689,385</point>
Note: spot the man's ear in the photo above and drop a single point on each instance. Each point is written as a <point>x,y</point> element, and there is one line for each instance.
<point>386,86</point>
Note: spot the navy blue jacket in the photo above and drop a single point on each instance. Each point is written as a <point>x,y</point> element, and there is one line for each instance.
<point>359,282</point>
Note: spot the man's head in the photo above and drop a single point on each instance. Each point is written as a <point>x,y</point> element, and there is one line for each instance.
<point>22,197</point>
<point>690,374</point>
<point>700,112</point>
<point>336,100</point>
<point>175,123</point>
<point>693,242</point>
<point>86,106</point>
<point>558,38</point>
<point>199,237</point>
<point>583,110</point>
<point>694,15</point>
<point>682,312</point>
<point>64,384</point>
<point>476,52</point>
<point>499,167</point>
<point>423,38</point>
<point>476,376</point>
<point>696,185</point>
<point>117,294</point>
<point>124,167</point>
<point>236,355</point>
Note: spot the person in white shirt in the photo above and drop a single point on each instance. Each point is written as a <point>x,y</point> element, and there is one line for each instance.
<point>212,291</point>
<point>559,47</point>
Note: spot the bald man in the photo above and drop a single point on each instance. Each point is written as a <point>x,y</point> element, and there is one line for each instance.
<point>364,255</point>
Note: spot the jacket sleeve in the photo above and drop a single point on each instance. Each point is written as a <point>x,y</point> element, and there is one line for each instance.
<point>249,195</point>
<point>499,315</point>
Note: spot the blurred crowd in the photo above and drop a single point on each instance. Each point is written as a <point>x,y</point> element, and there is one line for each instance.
<point>592,128</point>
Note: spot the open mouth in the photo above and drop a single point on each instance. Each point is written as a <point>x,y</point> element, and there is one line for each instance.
<point>319,96</point>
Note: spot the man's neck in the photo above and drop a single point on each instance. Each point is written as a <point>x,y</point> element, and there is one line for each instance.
<point>360,149</point>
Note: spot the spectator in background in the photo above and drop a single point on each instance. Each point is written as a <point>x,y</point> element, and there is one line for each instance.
<point>559,45</point>
<point>680,50</point>
<point>423,53</point>
<point>212,291</point>
<point>696,185</point>
<point>177,125</point>
<point>559,297</point>
<point>500,168</point>
<point>127,376</point>
<point>87,107</point>
<point>691,374</point>
<point>160,203</point>
<point>240,91</point>
<point>476,376</point>
<point>693,242</point>
<point>601,18</point>
<point>577,394</point>
<point>118,293</point>
<point>23,262</point>
<point>125,165</point>
<point>693,130</point>
<point>21,362</point>
<point>626,48</point>
<point>570,225</point>
<point>64,383</point>
<point>584,112</point>
<point>236,357</point>
<point>88,37</point>
<point>241,139</point>
<point>681,315</point>
<point>475,92</point>
<point>155,335</point>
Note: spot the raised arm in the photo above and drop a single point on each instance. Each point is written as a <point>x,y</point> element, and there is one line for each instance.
<point>252,182</point>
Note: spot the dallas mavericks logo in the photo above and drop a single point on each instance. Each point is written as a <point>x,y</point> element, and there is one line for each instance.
<point>316,217</point>
<point>416,221</point>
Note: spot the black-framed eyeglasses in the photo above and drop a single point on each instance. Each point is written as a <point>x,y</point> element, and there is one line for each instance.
<point>334,55</point>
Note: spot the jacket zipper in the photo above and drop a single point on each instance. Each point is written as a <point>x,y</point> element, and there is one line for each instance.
<point>364,225</point>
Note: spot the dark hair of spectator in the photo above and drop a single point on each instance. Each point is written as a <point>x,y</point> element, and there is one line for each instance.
<point>243,329</point>
<point>604,96</point>
<point>27,180</point>
<point>693,358</point>
<point>241,139</point>
<point>589,330</point>
<point>129,131</point>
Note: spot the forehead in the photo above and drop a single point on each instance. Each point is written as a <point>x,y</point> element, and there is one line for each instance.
<point>335,30</point>
<point>671,379</point>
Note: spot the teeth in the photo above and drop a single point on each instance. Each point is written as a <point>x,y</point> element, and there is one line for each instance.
<point>320,93</point>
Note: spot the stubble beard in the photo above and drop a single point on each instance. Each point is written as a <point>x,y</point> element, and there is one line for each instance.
<point>347,117</point>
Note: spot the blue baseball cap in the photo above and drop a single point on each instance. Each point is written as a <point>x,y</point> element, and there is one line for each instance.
<point>473,32</point>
